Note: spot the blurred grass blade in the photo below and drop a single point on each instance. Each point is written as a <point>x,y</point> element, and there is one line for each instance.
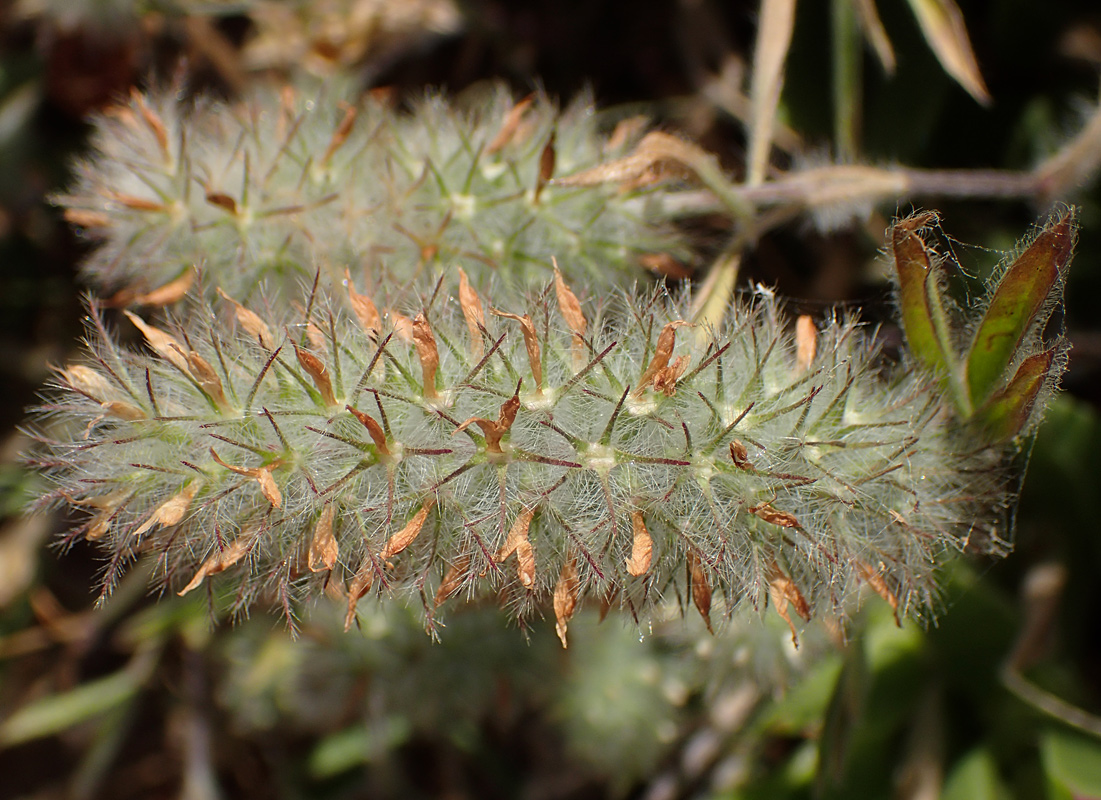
<point>942,24</point>
<point>848,79</point>
<point>875,33</point>
<point>1022,292</point>
<point>55,713</point>
<point>1007,412</point>
<point>777,20</point>
<point>914,268</point>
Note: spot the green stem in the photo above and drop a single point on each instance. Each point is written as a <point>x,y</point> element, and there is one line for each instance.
<point>848,55</point>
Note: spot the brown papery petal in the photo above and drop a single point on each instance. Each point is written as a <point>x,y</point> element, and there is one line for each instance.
<point>262,475</point>
<point>406,536</point>
<point>517,542</point>
<point>378,435</point>
<point>568,304</point>
<point>531,342</point>
<point>663,350</point>
<point>769,514</point>
<point>171,292</point>
<point>360,585</point>
<point>86,381</point>
<point>782,590</point>
<point>208,379</point>
<point>701,588</point>
<point>473,314</point>
<point>172,511</point>
<point>251,322</point>
<point>340,135</point>
<point>219,562</point>
<point>163,344</point>
<point>642,546</point>
<point>566,592</point>
<point>516,533</point>
<point>323,548</point>
<point>312,364</point>
<point>425,343</point>
<point>875,579</point>
<point>806,342</point>
<point>510,125</point>
<point>364,308</point>
<point>452,580</point>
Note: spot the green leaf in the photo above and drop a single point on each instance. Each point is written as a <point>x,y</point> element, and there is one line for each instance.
<point>942,24</point>
<point>358,745</point>
<point>913,268</point>
<point>1006,414</point>
<point>1022,292</point>
<point>55,713</point>
<point>1072,762</point>
<point>974,777</point>
<point>804,704</point>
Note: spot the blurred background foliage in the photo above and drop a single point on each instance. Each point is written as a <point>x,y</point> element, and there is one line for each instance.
<point>151,697</point>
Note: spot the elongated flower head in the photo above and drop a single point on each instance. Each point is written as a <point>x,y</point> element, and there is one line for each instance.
<point>269,190</point>
<point>545,454</point>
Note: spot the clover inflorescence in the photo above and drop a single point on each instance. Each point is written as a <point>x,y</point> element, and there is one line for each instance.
<point>283,183</point>
<point>540,454</point>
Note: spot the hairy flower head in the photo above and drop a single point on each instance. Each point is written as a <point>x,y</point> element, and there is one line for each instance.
<point>526,457</point>
<point>270,189</point>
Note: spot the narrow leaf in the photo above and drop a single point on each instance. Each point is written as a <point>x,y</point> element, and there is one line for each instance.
<point>843,715</point>
<point>777,21</point>
<point>974,777</point>
<point>942,24</point>
<point>913,267</point>
<point>876,34</point>
<point>1007,412</point>
<point>1021,294</point>
<point>58,712</point>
